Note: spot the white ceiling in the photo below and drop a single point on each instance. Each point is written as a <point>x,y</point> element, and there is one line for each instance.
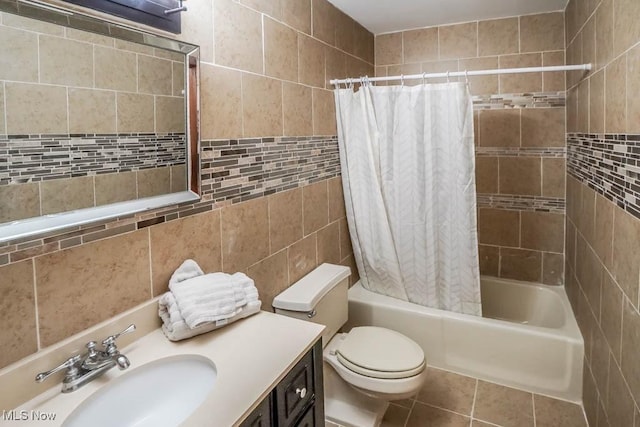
<point>385,16</point>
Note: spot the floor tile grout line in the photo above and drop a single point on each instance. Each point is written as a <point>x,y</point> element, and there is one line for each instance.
<point>406,420</point>
<point>533,408</point>
<point>442,409</point>
<point>486,422</point>
<point>475,396</point>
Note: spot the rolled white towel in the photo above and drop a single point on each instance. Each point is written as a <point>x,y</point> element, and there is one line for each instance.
<point>187,270</point>
<point>169,311</point>
<point>247,285</point>
<point>205,298</point>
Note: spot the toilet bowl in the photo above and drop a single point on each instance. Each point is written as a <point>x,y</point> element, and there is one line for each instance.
<point>378,362</point>
<point>365,367</point>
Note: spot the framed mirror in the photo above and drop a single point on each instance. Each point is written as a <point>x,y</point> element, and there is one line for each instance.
<point>97,120</point>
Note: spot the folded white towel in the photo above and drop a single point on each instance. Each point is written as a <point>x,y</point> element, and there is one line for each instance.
<point>199,302</point>
<point>187,270</point>
<point>175,328</point>
<point>205,298</point>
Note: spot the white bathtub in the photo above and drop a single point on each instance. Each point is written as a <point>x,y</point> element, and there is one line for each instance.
<point>527,338</point>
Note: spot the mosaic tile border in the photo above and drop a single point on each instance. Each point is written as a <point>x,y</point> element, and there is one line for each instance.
<point>240,169</point>
<point>521,203</point>
<point>519,100</point>
<point>557,152</point>
<point>306,160</point>
<point>32,158</point>
<point>609,164</point>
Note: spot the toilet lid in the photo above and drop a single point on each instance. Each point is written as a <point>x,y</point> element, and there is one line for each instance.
<point>380,353</point>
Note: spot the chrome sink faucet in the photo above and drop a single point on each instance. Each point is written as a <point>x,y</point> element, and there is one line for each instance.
<point>84,369</point>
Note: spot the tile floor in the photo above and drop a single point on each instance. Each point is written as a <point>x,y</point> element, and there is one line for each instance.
<point>452,400</point>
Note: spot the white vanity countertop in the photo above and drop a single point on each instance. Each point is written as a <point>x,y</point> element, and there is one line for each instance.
<point>251,357</point>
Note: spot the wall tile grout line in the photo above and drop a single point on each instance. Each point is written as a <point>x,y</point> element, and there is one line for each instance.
<point>35,302</point>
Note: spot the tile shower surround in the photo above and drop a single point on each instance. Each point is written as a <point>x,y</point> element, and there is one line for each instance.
<point>609,164</point>
<point>31,158</point>
<point>520,139</point>
<point>602,223</point>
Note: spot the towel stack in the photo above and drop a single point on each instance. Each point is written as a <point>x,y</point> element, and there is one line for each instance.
<point>197,303</point>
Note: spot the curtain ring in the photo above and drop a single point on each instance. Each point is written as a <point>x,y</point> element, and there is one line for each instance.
<point>350,86</point>
<point>401,79</point>
<point>466,76</point>
<point>424,78</point>
<point>448,81</point>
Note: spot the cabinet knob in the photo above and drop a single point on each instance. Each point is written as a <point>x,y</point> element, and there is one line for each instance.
<point>301,392</point>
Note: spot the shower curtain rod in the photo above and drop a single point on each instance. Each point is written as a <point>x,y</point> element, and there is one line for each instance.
<point>426,76</point>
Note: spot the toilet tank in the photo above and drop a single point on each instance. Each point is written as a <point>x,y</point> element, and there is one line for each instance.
<point>320,297</point>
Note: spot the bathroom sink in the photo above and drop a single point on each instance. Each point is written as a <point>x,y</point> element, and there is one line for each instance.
<point>160,393</point>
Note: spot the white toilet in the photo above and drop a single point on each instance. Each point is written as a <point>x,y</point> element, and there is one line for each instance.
<point>373,365</point>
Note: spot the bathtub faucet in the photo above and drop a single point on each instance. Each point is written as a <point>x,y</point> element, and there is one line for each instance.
<point>82,370</point>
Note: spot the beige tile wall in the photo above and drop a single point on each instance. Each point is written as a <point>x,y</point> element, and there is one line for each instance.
<point>514,244</point>
<point>275,240</point>
<point>270,72</point>
<point>603,241</point>
<point>525,41</point>
<point>245,91</point>
<point>58,80</point>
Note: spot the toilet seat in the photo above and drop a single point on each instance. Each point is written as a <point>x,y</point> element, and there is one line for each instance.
<point>380,353</point>
<point>372,382</point>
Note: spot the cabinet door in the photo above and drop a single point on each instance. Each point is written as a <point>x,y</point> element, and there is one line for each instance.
<point>308,420</point>
<point>295,392</point>
<point>261,416</point>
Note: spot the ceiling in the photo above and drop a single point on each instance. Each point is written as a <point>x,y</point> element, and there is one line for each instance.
<point>385,16</point>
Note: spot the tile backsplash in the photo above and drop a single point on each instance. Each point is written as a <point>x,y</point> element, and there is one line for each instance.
<point>264,86</point>
<point>275,239</point>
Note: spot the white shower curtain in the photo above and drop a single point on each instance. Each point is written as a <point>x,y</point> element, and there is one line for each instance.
<point>408,173</point>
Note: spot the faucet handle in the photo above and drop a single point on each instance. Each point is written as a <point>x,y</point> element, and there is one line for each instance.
<point>91,349</point>
<point>110,341</point>
<point>70,364</point>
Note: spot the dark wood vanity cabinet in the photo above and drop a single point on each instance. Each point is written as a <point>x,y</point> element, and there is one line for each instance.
<point>298,400</point>
<point>262,416</point>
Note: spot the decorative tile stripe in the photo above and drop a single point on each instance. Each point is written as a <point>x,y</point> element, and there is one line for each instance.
<point>609,164</point>
<point>521,203</point>
<point>241,169</point>
<point>30,158</point>
<point>519,100</point>
<point>521,151</point>
<point>306,160</point>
